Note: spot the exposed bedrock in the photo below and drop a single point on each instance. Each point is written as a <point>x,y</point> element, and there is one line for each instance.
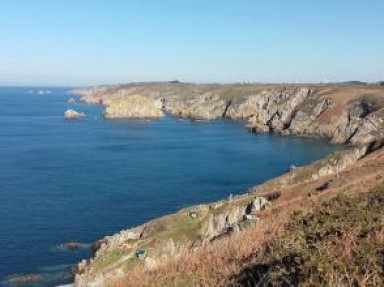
<point>134,107</point>
<point>207,106</point>
<point>72,114</point>
<point>269,110</point>
<point>166,237</point>
<point>351,115</point>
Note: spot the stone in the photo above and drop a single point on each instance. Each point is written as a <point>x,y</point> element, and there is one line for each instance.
<point>292,167</point>
<point>193,214</point>
<point>256,205</point>
<point>72,114</point>
<point>74,245</point>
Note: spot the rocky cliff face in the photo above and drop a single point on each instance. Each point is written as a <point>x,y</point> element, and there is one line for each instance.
<point>310,112</point>
<point>134,107</point>
<point>270,110</point>
<point>342,114</point>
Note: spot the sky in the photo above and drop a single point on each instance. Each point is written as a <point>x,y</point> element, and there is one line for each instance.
<point>81,42</point>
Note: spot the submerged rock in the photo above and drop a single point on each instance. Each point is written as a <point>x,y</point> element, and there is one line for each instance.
<point>74,246</point>
<point>24,279</point>
<point>72,114</point>
<point>71,101</point>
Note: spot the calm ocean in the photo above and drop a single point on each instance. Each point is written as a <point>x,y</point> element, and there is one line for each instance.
<point>64,181</point>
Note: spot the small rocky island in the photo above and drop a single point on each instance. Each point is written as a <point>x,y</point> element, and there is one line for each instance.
<point>72,114</point>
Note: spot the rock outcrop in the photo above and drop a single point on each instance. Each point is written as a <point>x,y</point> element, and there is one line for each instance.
<point>343,114</point>
<point>166,237</point>
<point>72,246</point>
<point>71,100</point>
<point>72,114</point>
<point>268,110</point>
<point>207,106</point>
<point>134,107</point>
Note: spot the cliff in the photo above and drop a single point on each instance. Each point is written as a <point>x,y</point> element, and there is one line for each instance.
<point>172,250</point>
<point>343,114</point>
<point>134,106</point>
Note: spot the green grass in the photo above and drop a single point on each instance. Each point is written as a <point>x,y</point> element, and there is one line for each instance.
<point>111,258</point>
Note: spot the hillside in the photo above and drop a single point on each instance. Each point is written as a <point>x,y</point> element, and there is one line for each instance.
<point>307,237</point>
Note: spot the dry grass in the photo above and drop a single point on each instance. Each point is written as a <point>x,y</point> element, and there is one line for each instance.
<point>341,96</point>
<point>340,243</point>
<point>210,265</point>
<point>332,238</point>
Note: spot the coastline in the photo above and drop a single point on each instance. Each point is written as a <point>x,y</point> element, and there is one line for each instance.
<point>220,218</point>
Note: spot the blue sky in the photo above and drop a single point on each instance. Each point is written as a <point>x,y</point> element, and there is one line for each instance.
<point>95,42</point>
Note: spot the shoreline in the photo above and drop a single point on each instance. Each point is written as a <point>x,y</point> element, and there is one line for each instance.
<point>250,192</point>
<point>106,246</point>
<point>329,165</point>
<point>236,123</point>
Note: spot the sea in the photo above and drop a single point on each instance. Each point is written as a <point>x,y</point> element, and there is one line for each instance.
<point>80,180</point>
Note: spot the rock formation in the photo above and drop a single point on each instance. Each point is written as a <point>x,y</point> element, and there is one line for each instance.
<point>343,114</point>
<point>72,246</point>
<point>72,114</point>
<point>71,101</point>
<point>166,237</point>
<point>134,107</point>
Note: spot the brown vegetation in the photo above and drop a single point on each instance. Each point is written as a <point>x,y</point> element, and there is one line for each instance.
<point>331,237</point>
<point>341,96</point>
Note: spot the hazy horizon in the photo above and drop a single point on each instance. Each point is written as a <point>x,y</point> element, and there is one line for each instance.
<point>81,43</point>
<point>53,85</point>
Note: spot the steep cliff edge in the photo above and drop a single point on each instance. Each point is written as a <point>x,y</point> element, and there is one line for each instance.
<point>343,114</point>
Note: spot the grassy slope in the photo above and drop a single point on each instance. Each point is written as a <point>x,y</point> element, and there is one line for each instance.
<point>341,242</point>
<point>334,237</point>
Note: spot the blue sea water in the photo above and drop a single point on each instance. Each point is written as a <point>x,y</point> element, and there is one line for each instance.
<point>64,181</point>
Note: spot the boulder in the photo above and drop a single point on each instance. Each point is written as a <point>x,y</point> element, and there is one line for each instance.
<point>256,205</point>
<point>72,114</point>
